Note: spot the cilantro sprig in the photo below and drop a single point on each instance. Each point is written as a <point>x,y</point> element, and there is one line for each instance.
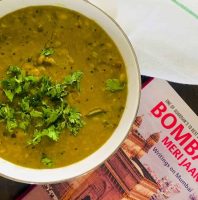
<point>74,79</point>
<point>47,52</point>
<point>114,85</point>
<point>50,132</point>
<point>16,82</point>
<point>46,160</point>
<point>42,102</point>
<point>7,115</point>
<point>73,120</point>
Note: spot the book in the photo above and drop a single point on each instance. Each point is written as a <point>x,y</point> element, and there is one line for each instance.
<point>158,160</point>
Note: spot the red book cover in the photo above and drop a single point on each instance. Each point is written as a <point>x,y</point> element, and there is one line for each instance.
<point>157,161</point>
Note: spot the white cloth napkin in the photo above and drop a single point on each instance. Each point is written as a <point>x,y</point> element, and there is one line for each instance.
<point>164,34</point>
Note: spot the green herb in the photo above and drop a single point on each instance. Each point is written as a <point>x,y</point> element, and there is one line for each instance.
<point>74,79</point>
<point>46,161</point>
<point>13,84</point>
<point>36,114</point>
<point>11,125</point>
<point>25,104</point>
<point>25,121</point>
<point>7,114</point>
<point>40,102</point>
<point>73,120</point>
<point>32,79</point>
<point>57,91</point>
<point>47,52</point>
<point>14,70</point>
<point>45,83</point>
<point>9,94</point>
<point>114,85</point>
<point>35,99</point>
<point>51,132</point>
<point>50,115</point>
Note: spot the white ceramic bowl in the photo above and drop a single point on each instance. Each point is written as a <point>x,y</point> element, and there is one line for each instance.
<point>39,176</point>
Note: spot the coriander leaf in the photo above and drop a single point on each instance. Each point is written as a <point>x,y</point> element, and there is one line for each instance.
<point>32,79</point>
<point>18,89</point>
<point>9,94</point>
<point>46,161</point>
<point>13,84</point>
<point>29,81</point>
<point>53,133</point>
<point>73,120</point>
<point>50,115</point>
<point>26,87</point>
<point>35,100</point>
<point>19,79</point>
<point>114,85</point>
<point>45,84</point>
<point>50,132</point>
<point>47,52</point>
<point>14,70</point>
<point>5,84</point>
<point>61,125</point>
<point>36,138</point>
<point>23,125</point>
<point>57,91</point>
<point>11,124</point>
<point>74,79</point>
<point>35,113</point>
<point>6,112</point>
<point>25,121</point>
<point>9,86</point>
<point>25,104</point>
<point>2,112</point>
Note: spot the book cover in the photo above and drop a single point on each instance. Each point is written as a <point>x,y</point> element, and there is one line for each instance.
<point>158,160</point>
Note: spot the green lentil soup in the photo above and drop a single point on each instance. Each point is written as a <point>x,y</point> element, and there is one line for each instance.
<point>63,87</point>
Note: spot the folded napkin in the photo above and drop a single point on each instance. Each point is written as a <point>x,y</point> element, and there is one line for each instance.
<point>164,34</point>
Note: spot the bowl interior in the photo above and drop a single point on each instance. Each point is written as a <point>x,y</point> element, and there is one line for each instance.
<point>39,176</point>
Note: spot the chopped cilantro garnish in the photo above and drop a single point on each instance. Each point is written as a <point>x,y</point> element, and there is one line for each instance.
<point>15,70</point>
<point>9,94</point>
<point>25,121</point>
<point>25,104</point>
<point>11,124</point>
<point>50,115</point>
<point>73,120</point>
<point>45,83</point>
<point>35,99</point>
<point>46,161</point>
<point>74,79</point>
<point>57,91</point>
<point>114,85</point>
<point>31,79</point>
<point>36,114</point>
<point>50,132</point>
<point>47,52</point>
<point>7,114</point>
<point>13,84</point>
<point>39,105</point>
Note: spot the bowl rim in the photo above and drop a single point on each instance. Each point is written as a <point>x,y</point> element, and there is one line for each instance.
<point>132,121</point>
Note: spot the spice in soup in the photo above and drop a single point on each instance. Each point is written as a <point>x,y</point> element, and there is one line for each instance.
<point>63,87</point>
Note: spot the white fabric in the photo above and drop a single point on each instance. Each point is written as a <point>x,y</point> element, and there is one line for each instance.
<point>164,35</point>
